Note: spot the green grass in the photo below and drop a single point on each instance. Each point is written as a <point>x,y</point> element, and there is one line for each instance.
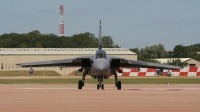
<point>26,73</point>
<point>130,80</point>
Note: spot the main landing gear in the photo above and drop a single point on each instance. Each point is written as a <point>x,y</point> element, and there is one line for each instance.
<point>117,83</point>
<point>81,82</point>
<point>100,80</point>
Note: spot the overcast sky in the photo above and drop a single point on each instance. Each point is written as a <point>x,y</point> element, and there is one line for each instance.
<point>131,23</point>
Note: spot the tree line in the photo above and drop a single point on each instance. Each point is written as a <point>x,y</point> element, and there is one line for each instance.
<point>35,39</point>
<point>158,51</point>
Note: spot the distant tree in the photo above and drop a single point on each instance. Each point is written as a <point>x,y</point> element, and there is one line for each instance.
<point>107,42</point>
<point>34,33</point>
<point>197,57</point>
<point>160,50</point>
<point>35,39</point>
<point>192,50</point>
<point>116,46</point>
<point>170,54</point>
<point>38,45</point>
<point>135,50</point>
<point>180,51</point>
<point>151,60</point>
<point>176,61</point>
<point>152,52</point>
<point>31,36</point>
<point>86,40</point>
<point>22,45</point>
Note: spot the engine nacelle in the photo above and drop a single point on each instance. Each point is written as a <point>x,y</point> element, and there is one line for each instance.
<point>115,63</point>
<point>85,63</point>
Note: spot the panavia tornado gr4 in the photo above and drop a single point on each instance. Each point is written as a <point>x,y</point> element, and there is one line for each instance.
<point>100,66</point>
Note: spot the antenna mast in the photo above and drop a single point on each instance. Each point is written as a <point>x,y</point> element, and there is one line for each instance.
<point>61,25</point>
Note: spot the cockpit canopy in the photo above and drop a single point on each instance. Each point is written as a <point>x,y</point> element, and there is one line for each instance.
<point>101,54</point>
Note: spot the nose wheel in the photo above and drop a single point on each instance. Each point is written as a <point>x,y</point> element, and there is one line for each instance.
<point>100,86</point>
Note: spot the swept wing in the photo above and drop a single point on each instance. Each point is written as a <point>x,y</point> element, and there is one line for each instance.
<point>61,62</point>
<point>133,63</point>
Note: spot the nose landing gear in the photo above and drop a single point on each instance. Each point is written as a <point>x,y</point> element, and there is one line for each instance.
<point>102,86</point>
<point>100,79</point>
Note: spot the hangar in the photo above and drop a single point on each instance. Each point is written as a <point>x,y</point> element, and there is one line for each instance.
<point>11,56</point>
<point>188,61</point>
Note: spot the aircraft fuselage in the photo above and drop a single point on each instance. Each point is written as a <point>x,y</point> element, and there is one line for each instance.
<point>101,66</point>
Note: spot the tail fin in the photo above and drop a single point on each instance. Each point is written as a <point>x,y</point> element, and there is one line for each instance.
<point>99,46</point>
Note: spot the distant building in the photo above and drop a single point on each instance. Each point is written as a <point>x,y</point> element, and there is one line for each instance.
<point>9,57</point>
<point>188,61</point>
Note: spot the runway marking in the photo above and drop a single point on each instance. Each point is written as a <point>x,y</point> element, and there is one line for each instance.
<point>7,104</point>
<point>168,89</point>
<point>59,88</point>
<point>71,103</point>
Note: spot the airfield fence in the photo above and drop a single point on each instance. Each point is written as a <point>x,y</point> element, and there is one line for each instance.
<point>186,71</point>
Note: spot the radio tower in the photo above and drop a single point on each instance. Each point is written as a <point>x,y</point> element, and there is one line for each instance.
<point>61,26</point>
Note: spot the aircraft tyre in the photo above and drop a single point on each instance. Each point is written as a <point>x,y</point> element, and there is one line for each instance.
<point>119,85</point>
<point>80,84</point>
<point>83,84</point>
<point>97,86</point>
<point>102,86</point>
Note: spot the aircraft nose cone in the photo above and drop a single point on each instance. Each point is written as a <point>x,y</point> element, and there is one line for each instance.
<point>101,64</point>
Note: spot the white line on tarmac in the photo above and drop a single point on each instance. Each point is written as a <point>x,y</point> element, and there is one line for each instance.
<point>111,88</point>
<point>53,88</point>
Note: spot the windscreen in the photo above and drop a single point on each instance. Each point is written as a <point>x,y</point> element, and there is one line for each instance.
<point>100,55</point>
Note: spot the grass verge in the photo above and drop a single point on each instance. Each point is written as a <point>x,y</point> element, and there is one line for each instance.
<point>163,80</point>
<point>26,73</point>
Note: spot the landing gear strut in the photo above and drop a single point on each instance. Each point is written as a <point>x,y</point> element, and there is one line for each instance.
<point>117,83</point>
<point>81,82</point>
<point>100,80</point>
<point>100,85</point>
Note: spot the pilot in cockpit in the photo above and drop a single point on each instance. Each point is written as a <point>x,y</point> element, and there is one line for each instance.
<point>100,55</point>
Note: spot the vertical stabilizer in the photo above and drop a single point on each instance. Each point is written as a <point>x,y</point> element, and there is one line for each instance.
<point>99,46</point>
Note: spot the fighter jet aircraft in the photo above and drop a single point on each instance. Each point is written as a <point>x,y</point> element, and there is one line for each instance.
<point>100,66</point>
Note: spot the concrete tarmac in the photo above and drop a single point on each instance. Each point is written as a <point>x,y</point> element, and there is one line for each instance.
<point>132,98</point>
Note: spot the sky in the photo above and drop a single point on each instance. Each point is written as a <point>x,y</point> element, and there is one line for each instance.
<point>130,23</point>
